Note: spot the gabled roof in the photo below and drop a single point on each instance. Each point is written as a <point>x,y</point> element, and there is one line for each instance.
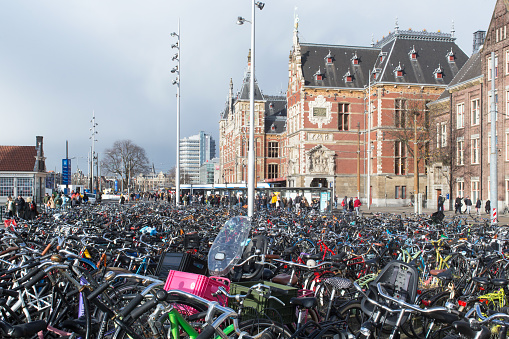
<point>333,74</point>
<point>471,70</point>
<point>246,87</point>
<point>390,55</point>
<point>431,56</point>
<point>17,158</point>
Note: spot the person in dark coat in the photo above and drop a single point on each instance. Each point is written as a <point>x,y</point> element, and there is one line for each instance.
<point>20,206</point>
<point>441,200</point>
<point>350,205</point>
<point>478,206</point>
<point>457,205</point>
<point>487,207</point>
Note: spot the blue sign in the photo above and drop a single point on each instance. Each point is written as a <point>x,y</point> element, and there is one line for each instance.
<point>116,185</point>
<point>66,171</point>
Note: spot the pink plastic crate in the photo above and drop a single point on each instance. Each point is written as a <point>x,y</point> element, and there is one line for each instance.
<point>196,284</point>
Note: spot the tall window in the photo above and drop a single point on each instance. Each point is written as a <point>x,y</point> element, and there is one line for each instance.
<point>6,187</point>
<point>343,115</point>
<point>25,187</point>
<point>490,68</point>
<point>438,135</point>
<point>272,171</point>
<point>475,150</point>
<point>475,190</point>
<point>461,188</point>
<point>273,151</point>
<point>400,113</point>
<point>474,109</point>
<point>400,192</point>
<point>399,158</point>
<point>460,159</point>
<point>443,134</point>
<point>460,115</point>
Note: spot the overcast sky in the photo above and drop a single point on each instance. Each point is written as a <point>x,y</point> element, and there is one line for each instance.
<point>61,60</point>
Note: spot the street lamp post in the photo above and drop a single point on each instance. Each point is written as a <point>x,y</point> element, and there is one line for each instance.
<point>251,155</point>
<point>176,69</point>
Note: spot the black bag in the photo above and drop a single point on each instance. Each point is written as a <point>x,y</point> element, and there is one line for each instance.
<point>437,217</point>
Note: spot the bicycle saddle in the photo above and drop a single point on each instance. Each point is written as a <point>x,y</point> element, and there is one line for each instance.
<point>309,302</point>
<point>463,327</point>
<point>284,279</point>
<point>483,281</point>
<point>499,282</point>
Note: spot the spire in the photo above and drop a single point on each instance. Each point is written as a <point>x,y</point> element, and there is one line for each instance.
<point>295,28</point>
<point>396,27</point>
<point>452,29</point>
<point>372,40</point>
<point>230,97</point>
<point>249,60</point>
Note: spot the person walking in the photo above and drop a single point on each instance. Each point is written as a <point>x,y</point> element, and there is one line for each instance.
<point>10,207</point>
<point>457,205</point>
<point>344,204</point>
<point>350,205</point>
<point>478,206</point>
<point>468,204</point>
<point>20,206</point>
<point>357,205</point>
<point>487,207</point>
<point>440,204</point>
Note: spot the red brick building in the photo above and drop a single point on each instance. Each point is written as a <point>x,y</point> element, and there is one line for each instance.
<point>269,134</point>
<point>465,109</point>
<point>354,111</point>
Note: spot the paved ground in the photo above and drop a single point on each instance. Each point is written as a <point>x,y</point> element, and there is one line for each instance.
<point>503,218</point>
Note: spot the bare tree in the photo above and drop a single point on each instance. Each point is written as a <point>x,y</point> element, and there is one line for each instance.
<point>125,159</point>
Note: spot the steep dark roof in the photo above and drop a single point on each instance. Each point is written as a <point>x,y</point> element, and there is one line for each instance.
<point>471,70</point>
<point>17,158</point>
<point>246,87</point>
<point>388,56</point>
<point>275,114</point>
<point>431,55</point>
<point>314,60</point>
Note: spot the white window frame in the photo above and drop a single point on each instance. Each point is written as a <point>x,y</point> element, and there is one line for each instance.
<point>460,155</point>
<point>460,115</point>
<point>474,190</point>
<point>443,134</point>
<point>460,188</point>
<point>475,112</point>
<point>475,151</point>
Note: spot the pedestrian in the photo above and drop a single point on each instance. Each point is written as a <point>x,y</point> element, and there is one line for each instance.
<point>122,199</point>
<point>350,204</point>
<point>289,204</point>
<point>440,204</point>
<point>478,206</point>
<point>457,205</point>
<point>335,201</point>
<point>487,207</point>
<point>468,204</point>
<point>10,207</point>
<point>297,200</point>
<point>344,203</point>
<point>20,206</point>
<point>357,205</point>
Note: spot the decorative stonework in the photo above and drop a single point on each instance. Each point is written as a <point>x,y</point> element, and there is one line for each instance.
<point>324,137</point>
<point>320,111</point>
<point>320,160</point>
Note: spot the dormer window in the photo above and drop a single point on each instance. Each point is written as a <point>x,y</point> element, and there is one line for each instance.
<point>355,59</point>
<point>319,75</point>
<point>348,77</point>
<point>381,56</point>
<point>413,54</point>
<point>328,58</point>
<point>273,128</point>
<point>398,71</point>
<point>450,56</point>
<point>439,73</point>
<point>375,73</point>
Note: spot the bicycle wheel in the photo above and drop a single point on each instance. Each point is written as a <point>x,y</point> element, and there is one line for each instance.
<point>305,246</point>
<point>353,317</point>
<point>461,269</point>
<point>272,331</point>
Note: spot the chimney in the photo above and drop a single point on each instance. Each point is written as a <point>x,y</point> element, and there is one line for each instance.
<point>478,40</point>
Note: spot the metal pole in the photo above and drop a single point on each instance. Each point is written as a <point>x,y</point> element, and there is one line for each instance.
<point>177,171</point>
<point>251,155</point>
<point>368,172</point>
<point>493,155</point>
<point>416,169</point>
<point>358,159</point>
